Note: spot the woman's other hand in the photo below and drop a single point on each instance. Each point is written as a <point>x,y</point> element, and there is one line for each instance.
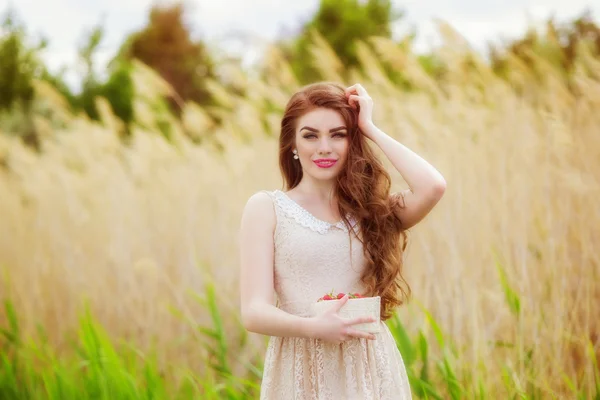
<point>331,327</point>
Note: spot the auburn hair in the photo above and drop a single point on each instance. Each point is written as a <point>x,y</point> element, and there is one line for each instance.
<point>362,191</point>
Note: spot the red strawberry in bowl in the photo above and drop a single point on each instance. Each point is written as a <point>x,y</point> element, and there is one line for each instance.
<point>332,296</point>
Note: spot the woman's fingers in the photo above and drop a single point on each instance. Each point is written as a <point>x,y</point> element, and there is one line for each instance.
<point>355,100</point>
<point>360,320</point>
<point>341,303</point>
<point>361,90</point>
<point>350,91</point>
<point>360,334</point>
<point>356,88</point>
<point>351,333</point>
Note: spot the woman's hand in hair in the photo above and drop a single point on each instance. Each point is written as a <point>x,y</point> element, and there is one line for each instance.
<point>359,99</point>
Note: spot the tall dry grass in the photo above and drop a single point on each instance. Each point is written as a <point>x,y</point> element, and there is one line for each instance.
<point>137,229</point>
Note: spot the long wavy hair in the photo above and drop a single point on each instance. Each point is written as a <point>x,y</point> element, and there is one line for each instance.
<point>362,191</point>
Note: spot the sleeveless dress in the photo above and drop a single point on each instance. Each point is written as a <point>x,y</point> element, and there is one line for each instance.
<point>311,258</point>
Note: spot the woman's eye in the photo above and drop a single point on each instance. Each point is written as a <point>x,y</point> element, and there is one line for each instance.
<point>312,135</point>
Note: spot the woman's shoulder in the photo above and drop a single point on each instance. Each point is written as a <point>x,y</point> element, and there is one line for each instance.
<point>263,197</point>
<point>261,202</point>
<point>259,209</point>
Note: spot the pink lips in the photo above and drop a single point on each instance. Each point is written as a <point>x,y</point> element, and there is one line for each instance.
<point>325,162</point>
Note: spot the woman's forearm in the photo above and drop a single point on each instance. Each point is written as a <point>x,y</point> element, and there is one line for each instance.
<point>418,173</point>
<point>269,320</point>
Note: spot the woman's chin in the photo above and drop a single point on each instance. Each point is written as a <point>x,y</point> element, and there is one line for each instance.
<point>324,175</point>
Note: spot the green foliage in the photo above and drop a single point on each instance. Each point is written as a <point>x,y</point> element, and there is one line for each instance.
<point>90,85</point>
<point>88,48</point>
<point>118,88</point>
<point>414,354</point>
<point>57,80</point>
<point>19,64</point>
<point>341,23</point>
<point>215,341</point>
<point>97,369</point>
<point>119,91</point>
<point>559,45</point>
<point>511,296</point>
<point>167,46</point>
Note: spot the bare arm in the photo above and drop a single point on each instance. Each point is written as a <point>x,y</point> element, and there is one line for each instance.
<point>259,314</point>
<point>427,185</point>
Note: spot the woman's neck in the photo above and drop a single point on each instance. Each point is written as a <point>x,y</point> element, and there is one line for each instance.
<point>324,190</point>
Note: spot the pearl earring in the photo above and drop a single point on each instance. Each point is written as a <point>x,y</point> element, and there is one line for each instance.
<point>295,154</point>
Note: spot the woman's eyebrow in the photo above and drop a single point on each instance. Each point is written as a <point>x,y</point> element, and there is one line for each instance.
<point>339,128</point>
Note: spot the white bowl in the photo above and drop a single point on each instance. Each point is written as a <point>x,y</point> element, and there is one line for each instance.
<point>360,307</point>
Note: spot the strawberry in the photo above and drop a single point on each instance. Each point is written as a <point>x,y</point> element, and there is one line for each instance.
<point>355,295</point>
<point>333,296</point>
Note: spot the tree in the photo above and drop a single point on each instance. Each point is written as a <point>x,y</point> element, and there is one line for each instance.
<point>19,66</point>
<point>90,85</point>
<point>341,23</point>
<point>166,46</point>
<point>118,88</point>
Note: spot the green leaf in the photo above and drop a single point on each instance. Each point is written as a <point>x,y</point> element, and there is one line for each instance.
<point>512,298</point>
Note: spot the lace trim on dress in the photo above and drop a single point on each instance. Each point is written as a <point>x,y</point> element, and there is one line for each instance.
<point>306,219</point>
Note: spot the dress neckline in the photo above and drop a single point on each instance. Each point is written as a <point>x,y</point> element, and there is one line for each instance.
<point>338,222</point>
<point>306,219</point>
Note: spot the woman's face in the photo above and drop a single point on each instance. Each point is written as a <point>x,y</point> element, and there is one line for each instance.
<point>322,143</point>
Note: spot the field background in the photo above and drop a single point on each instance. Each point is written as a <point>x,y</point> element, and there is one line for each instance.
<point>118,247</point>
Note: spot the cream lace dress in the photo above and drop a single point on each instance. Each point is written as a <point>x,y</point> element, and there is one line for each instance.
<point>312,257</point>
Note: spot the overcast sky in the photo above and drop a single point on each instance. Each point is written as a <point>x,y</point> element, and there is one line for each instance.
<point>63,22</point>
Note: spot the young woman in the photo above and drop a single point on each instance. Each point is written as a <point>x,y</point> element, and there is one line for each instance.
<point>335,226</point>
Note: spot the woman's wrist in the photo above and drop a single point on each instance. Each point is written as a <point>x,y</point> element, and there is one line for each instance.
<point>307,327</point>
<point>373,132</point>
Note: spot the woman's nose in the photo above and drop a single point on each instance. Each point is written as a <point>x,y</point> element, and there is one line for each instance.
<point>324,146</point>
